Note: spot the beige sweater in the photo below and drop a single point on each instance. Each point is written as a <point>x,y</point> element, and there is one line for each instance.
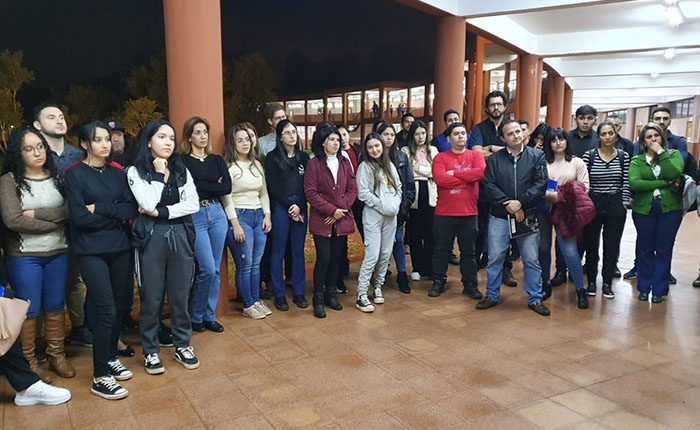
<point>564,171</point>
<point>248,189</point>
<point>40,236</point>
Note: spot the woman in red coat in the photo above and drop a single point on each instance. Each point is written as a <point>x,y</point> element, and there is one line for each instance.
<point>329,184</point>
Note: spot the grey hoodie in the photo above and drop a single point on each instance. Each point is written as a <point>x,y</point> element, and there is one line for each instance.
<point>386,201</point>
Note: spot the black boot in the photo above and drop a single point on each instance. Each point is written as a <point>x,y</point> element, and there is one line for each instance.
<point>331,300</point>
<point>402,282</point>
<point>319,311</point>
<point>582,299</point>
<point>559,278</point>
<point>437,289</point>
<point>546,290</point>
<point>471,290</point>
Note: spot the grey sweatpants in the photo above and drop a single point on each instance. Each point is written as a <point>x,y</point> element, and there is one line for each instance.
<point>380,233</point>
<point>166,265</point>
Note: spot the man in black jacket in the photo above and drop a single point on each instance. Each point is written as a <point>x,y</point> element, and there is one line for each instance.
<point>514,183</point>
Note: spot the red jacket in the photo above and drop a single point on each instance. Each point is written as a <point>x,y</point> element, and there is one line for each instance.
<point>458,194</point>
<point>325,196</point>
<point>573,210</point>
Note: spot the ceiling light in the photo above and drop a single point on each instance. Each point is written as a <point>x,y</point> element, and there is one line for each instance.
<point>654,75</point>
<point>674,15</point>
<point>669,53</point>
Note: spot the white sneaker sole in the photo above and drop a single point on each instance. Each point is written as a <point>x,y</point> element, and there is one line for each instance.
<point>110,396</point>
<point>378,300</point>
<point>366,309</point>
<point>188,366</point>
<point>34,401</point>
<point>157,371</point>
<point>124,376</point>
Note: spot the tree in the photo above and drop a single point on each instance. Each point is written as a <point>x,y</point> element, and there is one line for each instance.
<point>150,81</point>
<point>12,77</point>
<point>88,103</point>
<point>137,113</point>
<point>251,85</point>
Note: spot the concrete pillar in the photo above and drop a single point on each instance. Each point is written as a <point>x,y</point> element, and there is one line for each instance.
<point>568,103</point>
<point>529,79</point>
<point>555,100</point>
<point>516,98</point>
<point>449,67</point>
<point>540,68</point>
<point>468,111</point>
<point>506,79</point>
<point>486,83</point>
<point>478,106</point>
<point>195,78</point>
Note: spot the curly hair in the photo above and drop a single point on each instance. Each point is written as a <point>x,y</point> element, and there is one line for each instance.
<point>15,164</point>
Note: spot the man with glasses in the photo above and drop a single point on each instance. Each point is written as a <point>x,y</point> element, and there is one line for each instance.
<point>274,113</point>
<point>582,139</point>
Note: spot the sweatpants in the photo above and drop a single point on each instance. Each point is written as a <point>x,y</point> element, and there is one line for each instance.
<point>380,231</point>
<point>166,265</point>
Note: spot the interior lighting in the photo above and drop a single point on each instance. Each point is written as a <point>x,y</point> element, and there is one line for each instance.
<point>654,75</point>
<point>673,13</point>
<point>669,53</point>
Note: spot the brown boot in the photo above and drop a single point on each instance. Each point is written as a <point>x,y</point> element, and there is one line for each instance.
<point>55,331</point>
<point>27,338</point>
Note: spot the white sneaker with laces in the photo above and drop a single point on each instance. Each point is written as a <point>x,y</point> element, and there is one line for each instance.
<point>364,304</point>
<point>378,296</point>
<point>40,393</point>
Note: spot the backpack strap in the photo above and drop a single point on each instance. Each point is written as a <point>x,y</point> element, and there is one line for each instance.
<point>621,159</point>
<point>591,156</point>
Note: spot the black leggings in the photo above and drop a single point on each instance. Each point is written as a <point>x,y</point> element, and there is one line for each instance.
<point>109,279</point>
<point>328,250</point>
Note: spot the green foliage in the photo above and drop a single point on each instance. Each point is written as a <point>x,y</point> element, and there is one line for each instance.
<point>87,103</point>
<point>247,88</point>
<point>12,77</point>
<point>137,112</point>
<point>150,81</point>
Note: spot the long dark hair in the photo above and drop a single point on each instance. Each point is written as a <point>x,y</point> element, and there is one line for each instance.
<point>320,135</point>
<point>379,127</point>
<point>560,133</point>
<point>379,166</point>
<point>144,157</point>
<point>231,155</point>
<point>15,164</point>
<point>542,129</point>
<point>411,141</point>
<point>279,154</point>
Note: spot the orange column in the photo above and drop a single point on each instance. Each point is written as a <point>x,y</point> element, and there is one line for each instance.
<point>506,80</point>
<point>195,78</point>
<point>478,106</point>
<point>555,100</point>
<point>540,67</point>
<point>449,68</point>
<point>568,102</point>
<point>528,79</point>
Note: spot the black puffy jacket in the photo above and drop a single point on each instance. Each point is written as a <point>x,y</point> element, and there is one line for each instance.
<point>524,180</point>
<point>408,185</point>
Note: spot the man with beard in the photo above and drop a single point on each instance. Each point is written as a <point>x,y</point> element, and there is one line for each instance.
<point>484,139</point>
<point>51,123</point>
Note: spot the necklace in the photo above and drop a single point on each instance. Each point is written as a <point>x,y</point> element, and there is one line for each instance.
<point>97,169</point>
<point>200,158</point>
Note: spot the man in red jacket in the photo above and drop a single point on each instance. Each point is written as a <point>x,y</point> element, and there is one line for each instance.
<point>457,173</point>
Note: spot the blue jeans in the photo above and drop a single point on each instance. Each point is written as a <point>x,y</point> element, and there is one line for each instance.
<point>399,252</point>
<point>656,234</point>
<point>41,280</point>
<point>210,226</point>
<point>247,255</point>
<point>498,241</point>
<point>285,229</point>
<point>569,250</point>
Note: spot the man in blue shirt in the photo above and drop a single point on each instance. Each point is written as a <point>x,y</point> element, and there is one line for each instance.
<point>440,140</point>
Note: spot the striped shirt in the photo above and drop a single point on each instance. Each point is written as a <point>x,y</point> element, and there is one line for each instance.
<point>608,178</point>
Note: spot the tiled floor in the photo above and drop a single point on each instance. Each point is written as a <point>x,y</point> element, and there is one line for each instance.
<point>423,363</point>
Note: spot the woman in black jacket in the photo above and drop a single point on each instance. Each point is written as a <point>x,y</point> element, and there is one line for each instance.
<point>403,166</point>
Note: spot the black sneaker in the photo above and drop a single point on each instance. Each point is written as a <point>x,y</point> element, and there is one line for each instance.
<point>213,326</point>
<point>472,291</point>
<point>364,304</point>
<point>186,357</point>
<point>118,370</point>
<point>581,299</point>
<point>341,288</point>
<point>108,388</point>
<point>300,301</point>
<point>281,304</point>
<point>672,279</point>
<point>153,365</point>
<point>559,278</point>
<point>631,274</point>
<point>165,336</point>
<point>617,273</point>
<point>608,292</point>
<point>198,327</point>
<point>81,335</point>
<point>592,289</point>
<point>402,282</point>
<point>486,303</point>
<point>436,290</point>
<point>540,308</point>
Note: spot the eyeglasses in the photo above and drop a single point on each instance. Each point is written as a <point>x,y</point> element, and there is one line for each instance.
<point>29,149</point>
<point>289,133</point>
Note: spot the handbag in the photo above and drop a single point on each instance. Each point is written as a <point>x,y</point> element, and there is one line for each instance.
<point>13,312</point>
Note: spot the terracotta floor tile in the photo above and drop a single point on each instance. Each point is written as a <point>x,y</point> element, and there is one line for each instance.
<point>686,371</point>
<point>175,418</point>
<point>418,345</point>
<point>224,408</point>
<point>643,357</point>
<point>435,386</point>
<point>610,365</point>
<point>508,394</point>
<point>405,367</point>
<point>425,415</point>
<point>376,352</point>
<point>468,404</point>
<point>585,403</point>
<point>58,417</point>
<point>257,422</point>
<point>545,384</point>
<point>298,416</point>
<point>378,421</point>
<point>574,350</point>
<point>550,415</point>
<point>577,373</point>
<point>280,354</point>
<point>500,421</point>
<point>625,420</point>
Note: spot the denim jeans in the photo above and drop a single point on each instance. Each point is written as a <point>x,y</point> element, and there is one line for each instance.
<point>569,250</point>
<point>41,280</point>
<point>398,251</point>
<point>247,255</point>
<point>286,230</point>
<point>656,234</point>
<point>210,226</point>
<point>498,244</point>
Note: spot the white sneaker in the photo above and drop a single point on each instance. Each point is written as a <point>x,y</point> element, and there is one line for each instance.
<point>364,304</point>
<point>415,276</point>
<point>378,296</point>
<point>40,393</point>
<point>263,307</point>
<point>254,312</point>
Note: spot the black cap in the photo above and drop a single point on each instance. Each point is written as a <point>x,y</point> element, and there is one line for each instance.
<point>114,125</point>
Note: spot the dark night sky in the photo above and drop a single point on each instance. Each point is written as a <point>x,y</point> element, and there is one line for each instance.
<point>311,44</point>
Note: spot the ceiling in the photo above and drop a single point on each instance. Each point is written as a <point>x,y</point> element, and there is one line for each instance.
<point>610,52</point>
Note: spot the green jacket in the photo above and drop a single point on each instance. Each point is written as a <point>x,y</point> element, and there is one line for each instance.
<point>643,182</point>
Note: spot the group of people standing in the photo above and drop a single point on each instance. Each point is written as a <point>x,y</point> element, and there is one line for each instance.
<point>164,209</point>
